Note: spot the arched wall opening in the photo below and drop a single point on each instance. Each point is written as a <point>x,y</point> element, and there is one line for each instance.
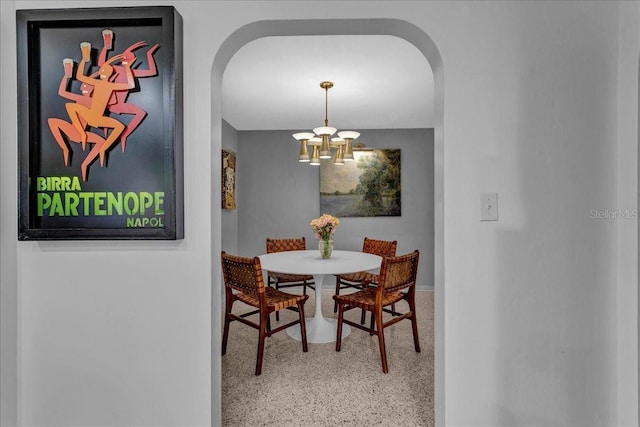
<point>391,27</point>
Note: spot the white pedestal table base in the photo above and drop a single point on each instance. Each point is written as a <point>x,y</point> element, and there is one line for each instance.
<point>319,329</point>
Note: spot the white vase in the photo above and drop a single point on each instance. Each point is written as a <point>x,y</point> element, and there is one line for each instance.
<point>325,247</point>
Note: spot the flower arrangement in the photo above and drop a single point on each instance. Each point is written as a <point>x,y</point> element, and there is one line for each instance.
<point>325,226</point>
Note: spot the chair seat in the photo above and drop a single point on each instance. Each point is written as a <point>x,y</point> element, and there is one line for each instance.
<point>366,298</point>
<point>277,300</point>
<point>288,278</point>
<point>360,277</point>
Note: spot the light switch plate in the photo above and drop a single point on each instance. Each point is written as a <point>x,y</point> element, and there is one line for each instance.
<point>489,207</point>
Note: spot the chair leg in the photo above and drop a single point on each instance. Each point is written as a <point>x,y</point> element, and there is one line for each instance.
<point>373,324</point>
<point>339,328</point>
<point>303,327</point>
<point>364,312</point>
<point>277,312</point>
<point>225,334</point>
<point>414,324</point>
<point>383,350</point>
<point>261,337</point>
<point>335,303</point>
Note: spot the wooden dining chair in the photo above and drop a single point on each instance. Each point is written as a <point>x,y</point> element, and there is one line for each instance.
<point>397,282</point>
<point>283,280</point>
<point>363,279</point>
<point>243,281</point>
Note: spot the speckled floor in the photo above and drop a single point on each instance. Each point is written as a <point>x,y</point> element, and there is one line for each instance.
<point>327,388</point>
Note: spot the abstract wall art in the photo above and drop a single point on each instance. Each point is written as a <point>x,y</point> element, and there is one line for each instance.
<point>100,123</point>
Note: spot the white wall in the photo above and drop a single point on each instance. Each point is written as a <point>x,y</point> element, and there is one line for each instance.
<point>536,313</point>
<point>8,221</point>
<point>628,229</point>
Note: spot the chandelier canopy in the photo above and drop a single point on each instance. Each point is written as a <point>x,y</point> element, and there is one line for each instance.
<point>321,142</point>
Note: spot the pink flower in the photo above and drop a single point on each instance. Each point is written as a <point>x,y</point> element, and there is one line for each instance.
<point>324,226</point>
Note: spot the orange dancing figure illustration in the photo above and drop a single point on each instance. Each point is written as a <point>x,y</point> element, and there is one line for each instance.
<point>60,127</point>
<point>94,114</point>
<point>118,103</point>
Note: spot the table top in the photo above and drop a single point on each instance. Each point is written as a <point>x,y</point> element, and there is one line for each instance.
<point>310,262</point>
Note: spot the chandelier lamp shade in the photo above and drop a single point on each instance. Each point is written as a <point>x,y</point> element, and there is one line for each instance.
<point>320,141</point>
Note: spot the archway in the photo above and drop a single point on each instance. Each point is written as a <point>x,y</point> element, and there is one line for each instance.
<point>392,27</point>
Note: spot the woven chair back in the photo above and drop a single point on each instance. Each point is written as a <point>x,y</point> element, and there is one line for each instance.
<point>242,274</point>
<point>289,244</point>
<point>397,273</point>
<point>381,248</point>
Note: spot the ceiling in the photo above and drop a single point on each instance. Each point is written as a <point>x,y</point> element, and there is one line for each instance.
<point>380,82</point>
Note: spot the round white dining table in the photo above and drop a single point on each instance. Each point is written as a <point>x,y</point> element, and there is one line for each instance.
<point>319,328</point>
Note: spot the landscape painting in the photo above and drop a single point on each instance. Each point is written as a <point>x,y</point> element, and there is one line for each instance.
<point>367,186</point>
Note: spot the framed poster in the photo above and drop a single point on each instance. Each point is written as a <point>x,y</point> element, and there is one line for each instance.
<point>100,123</point>
<point>228,179</point>
<point>367,186</point>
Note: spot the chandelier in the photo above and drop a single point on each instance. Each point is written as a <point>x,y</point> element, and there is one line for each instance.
<point>321,142</point>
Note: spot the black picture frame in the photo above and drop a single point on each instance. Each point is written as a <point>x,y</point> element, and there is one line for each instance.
<point>122,174</point>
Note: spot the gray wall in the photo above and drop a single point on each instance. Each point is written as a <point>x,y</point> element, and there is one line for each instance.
<point>278,196</point>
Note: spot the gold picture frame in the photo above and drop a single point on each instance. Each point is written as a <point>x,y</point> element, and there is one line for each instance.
<point>228,193</point>
<point>368,186</point>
